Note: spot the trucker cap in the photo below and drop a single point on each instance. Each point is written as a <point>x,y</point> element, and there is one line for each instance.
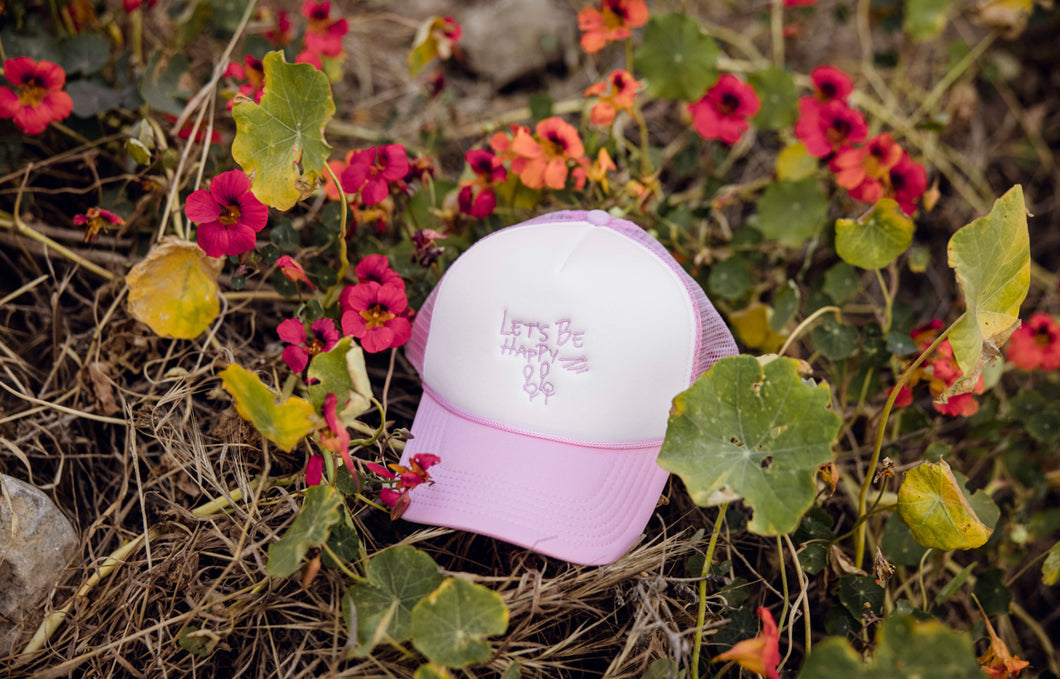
<point>550,353</point>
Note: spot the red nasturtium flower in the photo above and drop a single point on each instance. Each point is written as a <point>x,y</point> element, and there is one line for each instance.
<point>323,35</point>
<point>613,21</point>
<point>280,32</point>
<point>376,315</point>
<point>542,158</point>
<point>760,654</point>
<point>376,268</point>
<point>38,97</point>
<point>941,371</point>
<point>907,181</point>
<point>402,479</point>
<point>314,470</point>
<point>334,436</point>
<point>476,196</point>
<point>252,75</point>
<point>594,171</point>
<point>864,171</point>
<point>370,171</point>
<point>229,215</point>
<point>1036,344</point>
<point>723,111</point>
<point>830,83</point>
<point>95,219</point>
<point>826,127</point>
<point>427,252</point>
<point>301,349</point>
<point>617,93</point>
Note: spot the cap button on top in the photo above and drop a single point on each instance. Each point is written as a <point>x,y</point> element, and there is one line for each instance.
<point>598,217</point>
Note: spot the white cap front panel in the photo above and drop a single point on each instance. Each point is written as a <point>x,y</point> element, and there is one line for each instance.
<point>565,330</point>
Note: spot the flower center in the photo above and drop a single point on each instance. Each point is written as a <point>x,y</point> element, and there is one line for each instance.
<point>376,317</point>
<point>554,145</point>
<point>837,131</point>
<point>229,215</point>
<point>1044,338</point>
<point>31,93</point>
<point>729,103</point>
<point>314,346</point>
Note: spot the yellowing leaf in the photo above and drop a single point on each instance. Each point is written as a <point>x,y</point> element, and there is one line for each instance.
<point>753,327</point>
<point>426,46</point>
<point>939,515</point>
<point>794,162</point>
<point>280,143</point>
<point>283,424</point>
<point>1051,566</point>
<point>875,240</point>
<point>992,260</point>
<point>174,289</point>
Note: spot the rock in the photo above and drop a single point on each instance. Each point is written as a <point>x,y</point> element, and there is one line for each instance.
<point>509,39</point>
<point>36,543</point>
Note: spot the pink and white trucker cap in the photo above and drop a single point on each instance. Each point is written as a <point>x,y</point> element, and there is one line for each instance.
<point>550,352</point>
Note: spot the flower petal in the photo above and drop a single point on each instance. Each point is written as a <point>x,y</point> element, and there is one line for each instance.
<point>292,331</point>
<point>227,187</point>
<point>201,207</point>
<point>212,238</point>
<point>296,358</point>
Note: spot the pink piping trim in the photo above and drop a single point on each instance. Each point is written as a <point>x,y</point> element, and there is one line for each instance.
<point>647,443</point>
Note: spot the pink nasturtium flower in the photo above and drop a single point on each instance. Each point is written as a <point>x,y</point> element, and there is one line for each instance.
<point>95,219</point>
<point>1036,344</point>
<point>403,479</point>
<point>476,196</point>
<point>617,93</point>
<point>723,111</point>
<point>377,268</point>
<point>761,654</point>
<point>314,470</point>
<point>864,171</point>
<point>229,215</point>
<point>542,158</point>
<point>370,172</point>
<point>829,126</point>
<point>38,98</point>
<point>830,83</point>
<point>940,370</point>
<point>324,34</point>
<point>427,252</point>
<point>293,271</point>
<point>613,21</point>
<point>907,181</point>
<point>302,348</point>
<point>279,33</point>
<point>252,75</point>
<point>376,315</point>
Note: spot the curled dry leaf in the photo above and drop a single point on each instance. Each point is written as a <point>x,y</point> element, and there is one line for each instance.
<point>174,289</point>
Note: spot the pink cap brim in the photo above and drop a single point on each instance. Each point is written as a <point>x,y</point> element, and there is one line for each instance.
<point>583,504</point>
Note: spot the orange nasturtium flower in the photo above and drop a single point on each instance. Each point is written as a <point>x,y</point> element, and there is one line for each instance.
<point>760,654</point>
<point>617,93</point>
<point>542,158</point>
<point>613,21</point>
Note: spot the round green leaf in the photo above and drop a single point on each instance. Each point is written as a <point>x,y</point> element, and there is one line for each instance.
<point>992,593</point>
<point>676,59</point>
<point>873,241</point>
<point>431,670</point>
<point>342,372</point>
<point>785,305</point>
<point>730,277</point>
<point>933,505</point>
<point>792,212</point>
<point>925,19</point>
<point>899,545</point>
<point>992,260</point>
<point>905,647</point>
<point>840,282</point>
<point>450,625</point>
<point>776,90</point>
<point>860,595</point>
<point>310,528</point>
<point>343,540</point>
<point>833,339</point>
<point>280,143</point>
<point>754,431</point>
<point>397,579</point>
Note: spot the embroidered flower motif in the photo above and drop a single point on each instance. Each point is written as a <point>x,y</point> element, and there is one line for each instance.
<point>95,219</point>
<point>863,171</point>
<point>377,268</point>
<point>375,314</point>
<point>542,159</point>
<point>293,271</point>
<point>829,126</point>
<point>1035,344</point>
<point>334,436</point>
<point>723,111</point>
<point>38,98</point>
<point>401,480</point>
<point>323,35</point>
<point>370,172</point>
<point>229,215</point>
<point>907,181</point>
<point>301,349</point>
<point>830,83</point>
<point>617,93</point>
<point>760,654</point>
<point>613,21</point>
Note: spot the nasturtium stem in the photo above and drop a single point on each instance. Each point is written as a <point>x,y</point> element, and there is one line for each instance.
<point>805,324</point>
<point>874,461</point>
<point>344,261</point>
<point>776,29</point>
<point>701,614</point>
<point>888,303</point>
